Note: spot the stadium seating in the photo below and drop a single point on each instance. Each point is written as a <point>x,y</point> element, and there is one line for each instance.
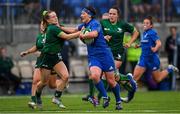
<point>78,71</point>
<point>25,70</point>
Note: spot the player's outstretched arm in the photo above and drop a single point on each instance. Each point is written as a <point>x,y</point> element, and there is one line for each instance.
<point>69,29</point>
<point>69,36</point>
<point>28,51</point>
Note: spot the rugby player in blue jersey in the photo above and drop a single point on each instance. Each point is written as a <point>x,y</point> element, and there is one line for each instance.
<point>100,58</point>
<point>149,59</point>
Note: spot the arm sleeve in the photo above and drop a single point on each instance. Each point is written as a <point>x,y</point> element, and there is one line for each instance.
<point>96,27</point>
<point>155,36</point>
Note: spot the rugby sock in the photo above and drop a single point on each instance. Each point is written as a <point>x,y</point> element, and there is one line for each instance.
<point>101,89</point>
<point>38,94</point>
<point>33,99</point>
<point>170,70</point>
<point>123,77</point>
<point>105,83</point>
<point>58,94</point>
<point>116,91</point>
<point>91,87</point>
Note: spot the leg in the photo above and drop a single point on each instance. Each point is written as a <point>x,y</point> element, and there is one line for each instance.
<point>52,81</point>
<point>95,75</point>
<point>44,78</point>
<point>36,79</point>
<point>62,71</point>
<point>160,75</point>
<point>138,72</point>
<point>115,88</point>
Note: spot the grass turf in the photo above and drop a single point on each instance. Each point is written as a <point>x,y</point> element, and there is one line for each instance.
<point>144,102</point>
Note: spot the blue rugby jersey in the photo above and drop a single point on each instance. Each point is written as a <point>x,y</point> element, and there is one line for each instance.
<point>147,41</point>
<point>99,45</point>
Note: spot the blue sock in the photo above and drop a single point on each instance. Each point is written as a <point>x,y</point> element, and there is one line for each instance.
<point>169,70</point>
<point>116,91</point>
<point>101,89</point>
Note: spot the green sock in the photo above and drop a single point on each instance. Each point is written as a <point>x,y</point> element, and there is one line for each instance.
<point>38,94</point>
<point>123,77</point>
<point>58,94</point>
<point>91,87</point>
<point>33,99</point>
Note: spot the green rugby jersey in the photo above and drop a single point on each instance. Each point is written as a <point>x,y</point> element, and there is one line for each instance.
<point>117,32</point>
<point>40,40</point>
<point>53,43</point>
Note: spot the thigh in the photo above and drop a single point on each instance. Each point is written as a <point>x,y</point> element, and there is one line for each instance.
<point>61,69</point>
<point>118,64</point>
<point>52,81</point>
<point>138,72</point>
<point>36,75</point>
<point>45,75</point>
<point>110,76</point>
<point>95,73</point>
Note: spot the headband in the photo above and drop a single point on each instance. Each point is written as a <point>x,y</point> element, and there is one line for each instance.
<point>88,12</point>
<point>44,12</point>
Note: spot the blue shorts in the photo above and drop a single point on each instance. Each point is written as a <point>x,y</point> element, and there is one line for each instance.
<point>151,62</point>
<point>104,62</point>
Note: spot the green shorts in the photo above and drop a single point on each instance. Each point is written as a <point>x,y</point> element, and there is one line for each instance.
<point>38,61</point>
<point>48,61</point>
<point>119,56</point>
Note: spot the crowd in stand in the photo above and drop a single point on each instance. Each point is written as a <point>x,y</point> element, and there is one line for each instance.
<point>69,10</point>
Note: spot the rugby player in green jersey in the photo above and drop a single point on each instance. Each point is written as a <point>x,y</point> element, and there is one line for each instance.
<point>114,29</point>
<point>53,79</point>
<point>51,56</point>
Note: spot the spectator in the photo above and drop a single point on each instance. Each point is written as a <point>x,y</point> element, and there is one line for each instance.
<point>172,41</point>
<point>6,76</point>
<point>170,44</point>
<point>32,7</point>
<point>137,10</point>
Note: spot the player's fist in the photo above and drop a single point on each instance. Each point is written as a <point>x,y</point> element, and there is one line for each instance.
<point>24,53</point>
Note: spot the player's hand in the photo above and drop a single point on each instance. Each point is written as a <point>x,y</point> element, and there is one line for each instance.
<point>153,49</point>
<point>24,53</point>
<point>137,46</point>
<point>81,36</point>
<point>127,45</point>
<point>107,37</point>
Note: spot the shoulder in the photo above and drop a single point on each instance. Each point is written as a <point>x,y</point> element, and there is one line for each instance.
<point>95,23</point>
<point>52,27</point>
<point>104,21</point>
<point>152,32</point>
<point>124,23</point>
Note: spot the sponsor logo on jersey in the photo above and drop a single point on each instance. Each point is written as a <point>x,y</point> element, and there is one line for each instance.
<point>106,29</point>
<point>119,30</point>
<point>144,39</point>
<point>118,57</point>
<point>45,65</point>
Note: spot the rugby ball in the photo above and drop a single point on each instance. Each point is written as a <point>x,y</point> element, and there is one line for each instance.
<point>87,40</point>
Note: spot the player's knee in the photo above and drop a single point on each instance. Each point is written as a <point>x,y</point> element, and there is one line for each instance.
<point>111,82</point>
<point>52,86</point>
<point>95,77</point>
<point>65,77</point>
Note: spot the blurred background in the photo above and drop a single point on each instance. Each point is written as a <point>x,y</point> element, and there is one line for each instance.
<point>19,26</point>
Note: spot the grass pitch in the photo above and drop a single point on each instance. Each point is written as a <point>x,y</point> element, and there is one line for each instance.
<point>144,102</point>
